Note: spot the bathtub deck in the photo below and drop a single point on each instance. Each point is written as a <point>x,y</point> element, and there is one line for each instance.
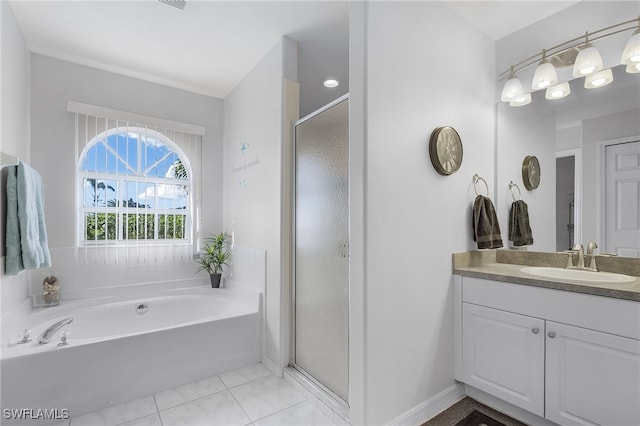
<point>248,396</point>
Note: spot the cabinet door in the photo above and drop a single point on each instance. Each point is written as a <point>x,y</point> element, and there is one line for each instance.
<point>592,378</point>
<point>503,355</point>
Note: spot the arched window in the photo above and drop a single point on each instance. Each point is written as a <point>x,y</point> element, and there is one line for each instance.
<point>134,184</point>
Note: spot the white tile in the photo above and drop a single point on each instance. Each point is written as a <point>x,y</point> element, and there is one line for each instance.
<point>301,414</point>
<point>324,408</point>
<point>189,392</point>
<point>244,375</point>
<point>59,423</point>
<point>266,396</point>
<point>339,421</point>
<point>117,414</point>
<point>151,420</point>
<point>217,409</point>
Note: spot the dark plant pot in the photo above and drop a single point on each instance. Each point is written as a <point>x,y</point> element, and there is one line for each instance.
<point>215,280</point>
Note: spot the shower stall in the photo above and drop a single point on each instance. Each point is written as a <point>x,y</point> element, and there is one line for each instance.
<point>321,248</point>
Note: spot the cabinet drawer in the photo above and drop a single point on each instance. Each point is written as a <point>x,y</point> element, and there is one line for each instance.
<point>605,314</point>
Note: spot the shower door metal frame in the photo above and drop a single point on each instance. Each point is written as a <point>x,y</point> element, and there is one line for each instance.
<point>292,330</point>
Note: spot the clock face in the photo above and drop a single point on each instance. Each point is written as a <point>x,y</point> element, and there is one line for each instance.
<point>531,172</point>
<point>445,150</point>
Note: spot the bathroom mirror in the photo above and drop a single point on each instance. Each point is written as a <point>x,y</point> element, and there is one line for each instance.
<point>577,130</point>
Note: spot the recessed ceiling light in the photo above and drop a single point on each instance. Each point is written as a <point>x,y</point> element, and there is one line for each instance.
<point>331,82</point>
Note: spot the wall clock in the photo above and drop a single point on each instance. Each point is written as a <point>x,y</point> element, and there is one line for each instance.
<point>445,150</point>
<point>531,172</point>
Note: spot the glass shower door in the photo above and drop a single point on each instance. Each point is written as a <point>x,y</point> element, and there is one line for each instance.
<point>321,284</point>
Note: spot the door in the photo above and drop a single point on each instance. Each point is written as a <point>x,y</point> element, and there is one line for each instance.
<point>622,193</point>
<point>503,355</point>
<point>321,276</point>
<point>592,378</point>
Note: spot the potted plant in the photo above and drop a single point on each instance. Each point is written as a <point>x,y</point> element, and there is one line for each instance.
<point>213,257</point>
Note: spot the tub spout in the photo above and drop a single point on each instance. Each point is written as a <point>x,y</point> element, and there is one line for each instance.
<point>46,335</point>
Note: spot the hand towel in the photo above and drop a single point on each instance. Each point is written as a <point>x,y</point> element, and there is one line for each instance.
<point>13,257</point>
<point>486,230</point>
<point>33,250</point>
<point>519,228</point>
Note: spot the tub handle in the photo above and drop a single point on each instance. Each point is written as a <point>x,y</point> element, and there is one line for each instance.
<point>64,338</point>
<point>26,337</point>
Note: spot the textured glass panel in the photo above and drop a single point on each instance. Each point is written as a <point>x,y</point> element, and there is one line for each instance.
<point>321,248</point>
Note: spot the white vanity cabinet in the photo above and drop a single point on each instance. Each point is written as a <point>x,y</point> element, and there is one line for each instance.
<point>571,358</point>
<point>504,355</point>
<point>591,377</point>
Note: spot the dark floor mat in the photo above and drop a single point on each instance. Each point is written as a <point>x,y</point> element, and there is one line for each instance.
<point>476,418</point>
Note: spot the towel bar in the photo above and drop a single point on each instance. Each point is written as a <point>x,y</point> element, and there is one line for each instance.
<point>511,186</point>
<point>476,178</point>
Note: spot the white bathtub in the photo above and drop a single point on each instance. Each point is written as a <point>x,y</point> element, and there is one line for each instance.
<point>118,352</point>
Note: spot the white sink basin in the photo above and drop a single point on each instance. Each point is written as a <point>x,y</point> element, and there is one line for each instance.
<point>577,275</point>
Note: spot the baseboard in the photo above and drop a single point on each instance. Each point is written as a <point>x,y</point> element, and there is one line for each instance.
<point>271,366</point>
<point>431,407</point>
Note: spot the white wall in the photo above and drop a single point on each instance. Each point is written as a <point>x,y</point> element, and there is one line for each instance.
<point>418,72</point>
<point>528,130</point>
<point>53,82</point>
<point>253,116</point>
<point>15,136</point>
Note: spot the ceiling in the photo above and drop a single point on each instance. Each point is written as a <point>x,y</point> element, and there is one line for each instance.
<point>210,46</point>
<point>498,19</point>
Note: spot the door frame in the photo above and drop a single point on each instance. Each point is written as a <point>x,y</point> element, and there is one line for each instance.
<point>577,189</point>
<point>601,176</point>
<point>290,351</point>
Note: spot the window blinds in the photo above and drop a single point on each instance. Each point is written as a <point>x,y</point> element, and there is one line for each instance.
<point>134,205</point>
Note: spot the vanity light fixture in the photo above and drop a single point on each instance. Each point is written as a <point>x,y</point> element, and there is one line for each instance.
<point>545,74</point>
<point>558,91</point>
<point>578,52</point>
<point>331,83</point>
<point>631,52</point>
<point>512,88</point>
<point>588,60</point>
<point>521,100</point>
<point>633,68</point>
<point>598,79</point>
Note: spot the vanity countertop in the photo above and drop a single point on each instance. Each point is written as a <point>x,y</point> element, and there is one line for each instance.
<point>505,265</point>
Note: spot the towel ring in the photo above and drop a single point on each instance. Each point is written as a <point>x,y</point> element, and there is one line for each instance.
<point>511,186</point>
<point>476,178</point>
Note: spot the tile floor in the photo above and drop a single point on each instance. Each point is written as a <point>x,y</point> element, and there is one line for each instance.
<point>248,396</point>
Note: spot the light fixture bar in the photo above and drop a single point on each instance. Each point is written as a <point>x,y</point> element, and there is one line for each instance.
<point>573,43</point>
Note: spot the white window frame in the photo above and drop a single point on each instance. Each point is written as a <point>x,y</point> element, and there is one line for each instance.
<point>139,177</point>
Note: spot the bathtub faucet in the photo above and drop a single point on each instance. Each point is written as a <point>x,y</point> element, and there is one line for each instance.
<point>46,335</point>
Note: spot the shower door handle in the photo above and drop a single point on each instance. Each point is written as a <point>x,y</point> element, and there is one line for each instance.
<point>344,250</point>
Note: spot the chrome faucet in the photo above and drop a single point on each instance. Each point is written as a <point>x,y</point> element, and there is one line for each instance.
<point>46,335</point>
<point>580,250</point>
<point>590,252</point>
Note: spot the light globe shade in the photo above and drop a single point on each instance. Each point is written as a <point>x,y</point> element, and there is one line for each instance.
<point>588,61</point>
<point>631,52</point>
<point>520,100</point>
<point>633,68</point>
<point>558,91</point>
<point>331,83</point>
<point>512,88</point>
<point>544,76</point>
<point>598,79</point>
